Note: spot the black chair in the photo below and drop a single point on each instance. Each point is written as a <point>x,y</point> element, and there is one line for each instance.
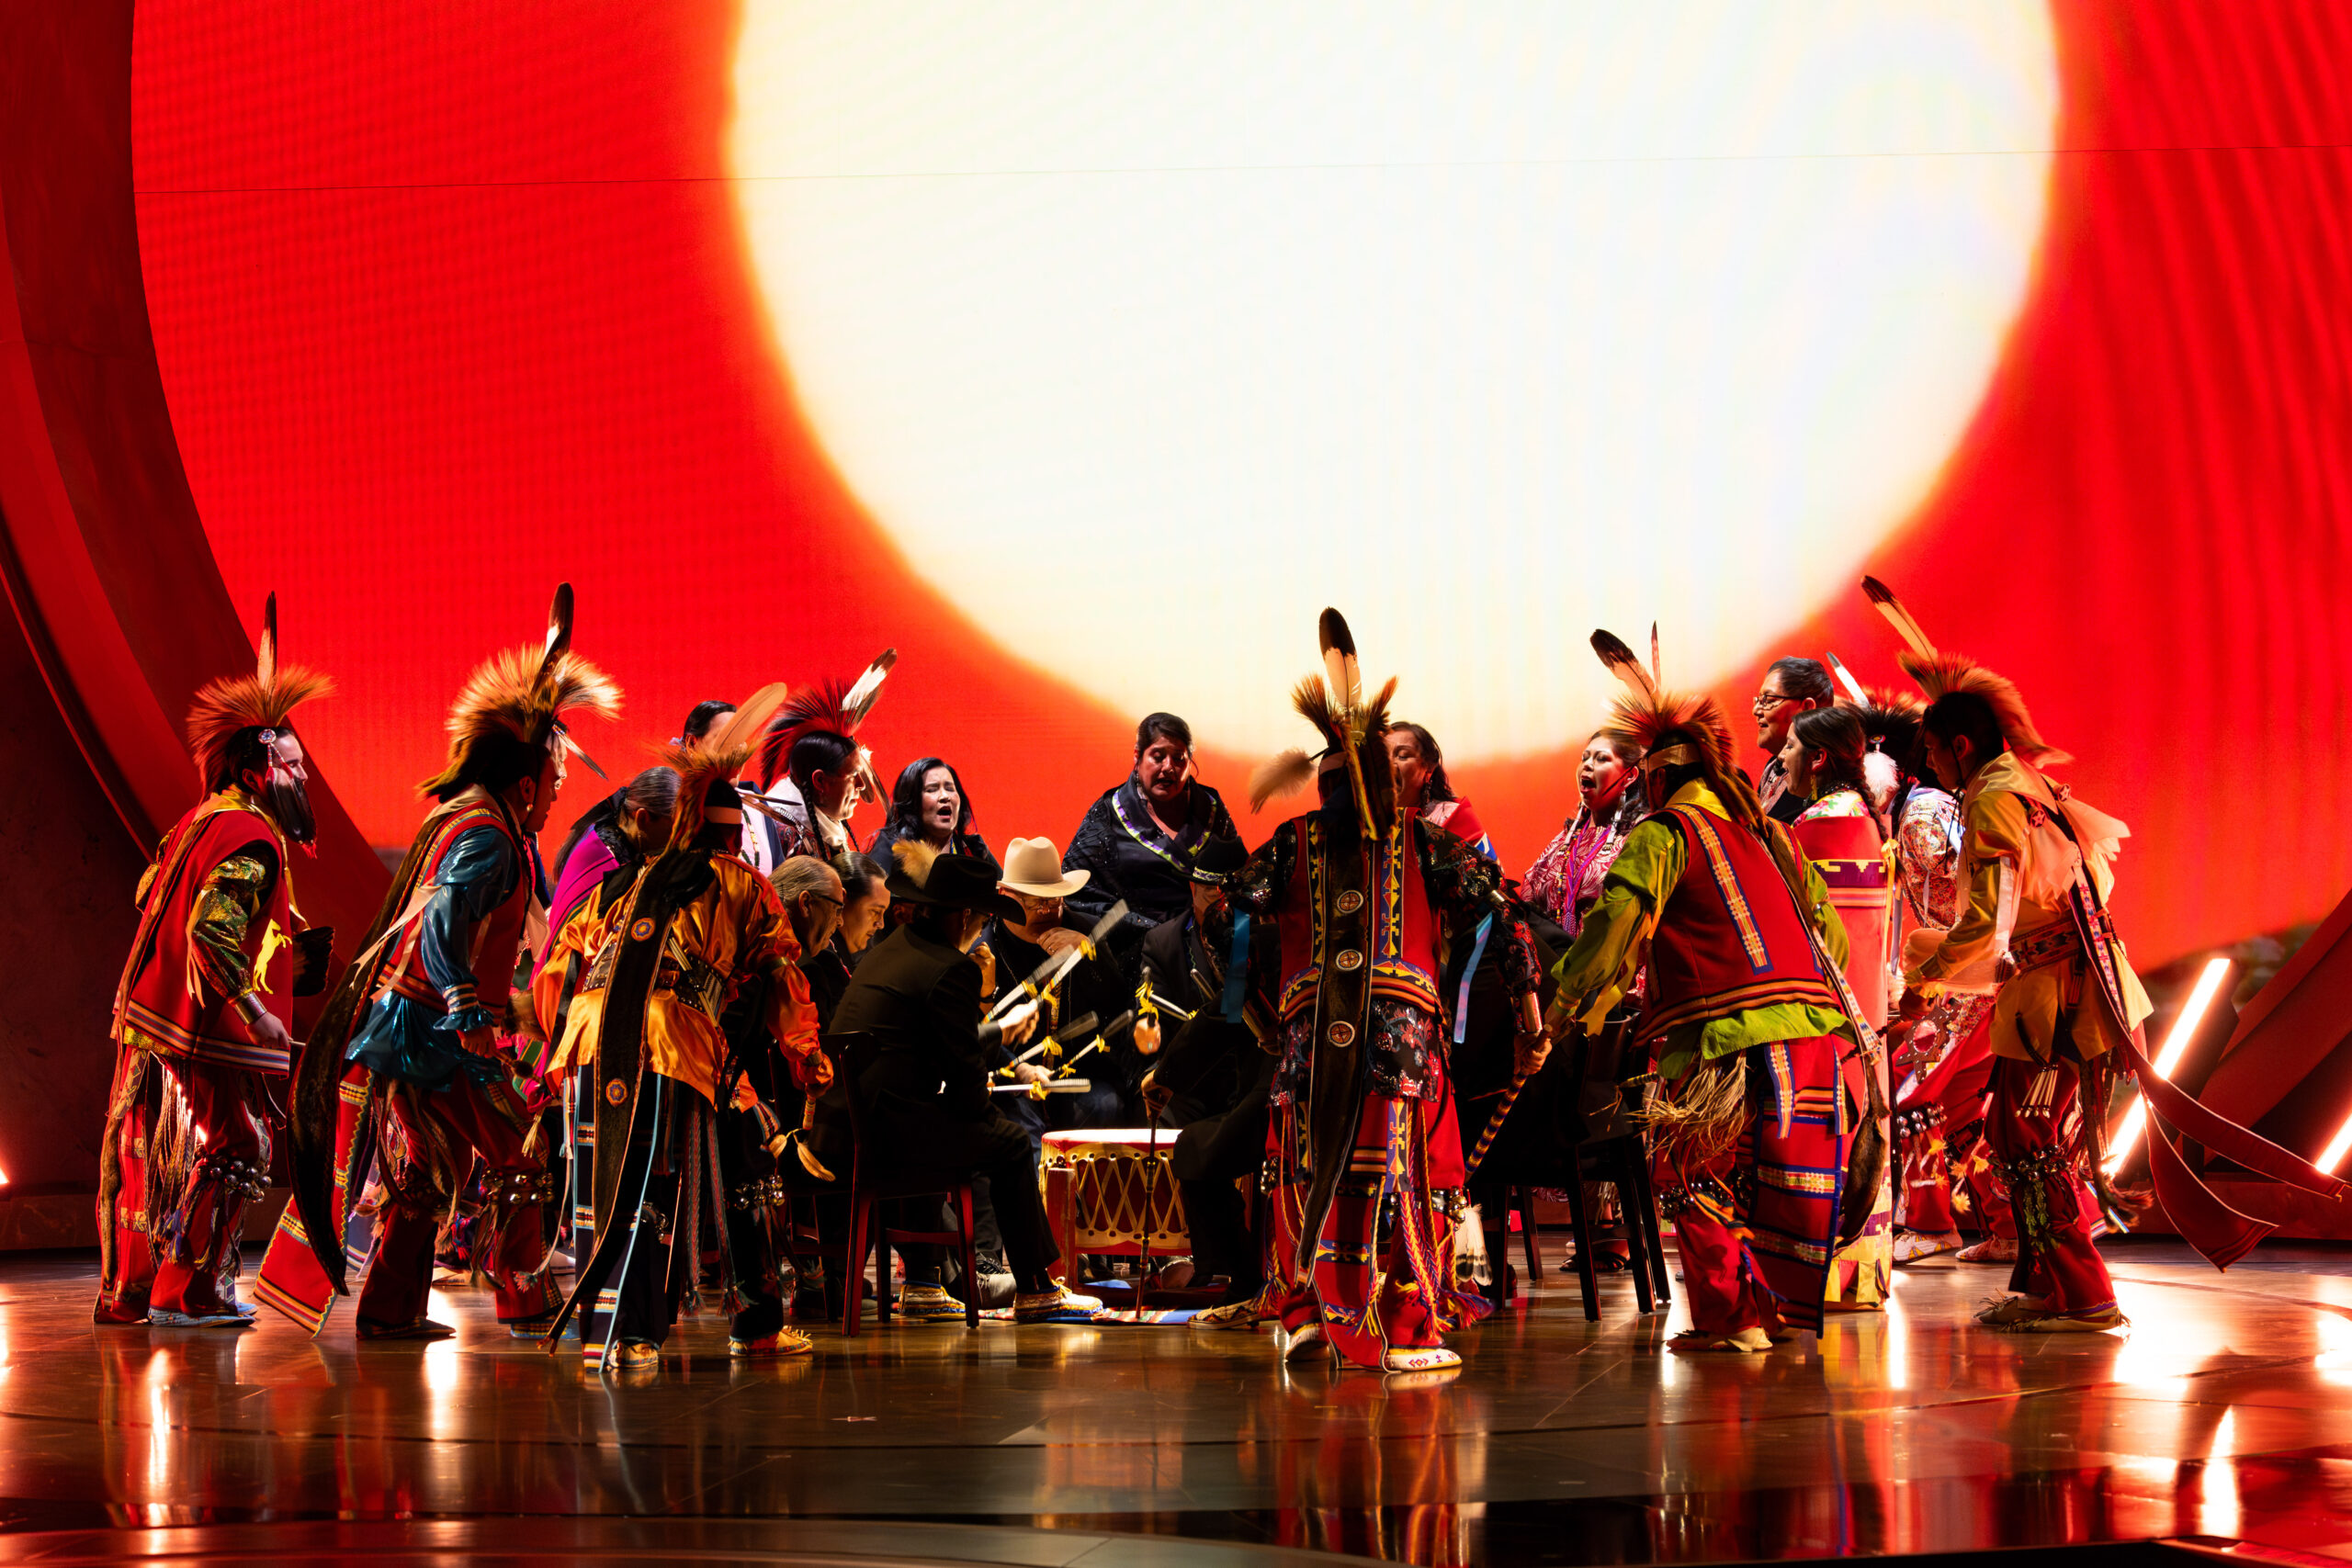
<point>868,1188</point>
<point>1611,1148</point>
<point>1522,1198</point>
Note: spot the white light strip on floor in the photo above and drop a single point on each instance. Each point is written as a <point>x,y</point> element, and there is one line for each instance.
<point>2333,1155</point>
<point>2184,1030</point>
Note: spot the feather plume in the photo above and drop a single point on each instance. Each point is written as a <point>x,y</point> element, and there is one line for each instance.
<point>914,858</point>
<point>263,700</point>
<point>1939,673</point>
<point>265,653</point>
<point>1312,698</point>
<point>1340,661</point>
<point>698,768</point>
<point>525,693</point>
<point>1845,678</point>
<point>868,686</point>
<point>1351,728</point>
<point>1277,776</point>
<point>559,630</point>
<point>1891,724</point>
<point>1622,663</point>
<point>1644,713</point>
<point>835,706</point>
<point>1901,619</point>
<point>1657,665</point>
<point>1645,722</point>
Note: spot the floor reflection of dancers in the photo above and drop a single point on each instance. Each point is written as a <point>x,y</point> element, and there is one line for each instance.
<point>1373,1469</point>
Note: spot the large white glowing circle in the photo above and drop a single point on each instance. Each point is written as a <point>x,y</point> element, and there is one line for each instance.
<point>1147,330</point>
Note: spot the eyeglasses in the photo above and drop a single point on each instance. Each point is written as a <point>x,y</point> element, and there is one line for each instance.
<point>1767,701</point>
<point>826,897</point>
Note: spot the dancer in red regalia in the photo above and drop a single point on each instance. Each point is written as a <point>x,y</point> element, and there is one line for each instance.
<point>2066,1021</point>
<point>404,1081</point>
<point>1742,1010</point>
<point>1364,896</point>
<point>187,1143</point>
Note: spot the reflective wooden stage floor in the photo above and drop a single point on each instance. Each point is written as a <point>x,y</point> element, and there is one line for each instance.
<point>2221,1416</point>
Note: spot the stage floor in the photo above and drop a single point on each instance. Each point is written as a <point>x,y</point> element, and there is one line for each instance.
<point>2222,1415</point>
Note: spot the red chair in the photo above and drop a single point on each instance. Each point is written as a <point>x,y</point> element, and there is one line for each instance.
<point>868,1188</point>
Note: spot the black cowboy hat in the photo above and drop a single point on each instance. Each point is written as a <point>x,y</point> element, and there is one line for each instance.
<point>954,882</point>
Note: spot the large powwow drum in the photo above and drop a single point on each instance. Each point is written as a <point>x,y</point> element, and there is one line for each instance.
<point>1104,1186</point>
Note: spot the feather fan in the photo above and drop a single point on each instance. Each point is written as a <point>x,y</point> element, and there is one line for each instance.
<point>1278,776</point>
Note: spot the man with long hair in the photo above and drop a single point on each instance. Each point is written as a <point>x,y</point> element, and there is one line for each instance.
<point>187,1143</point>
<point>812,772</point>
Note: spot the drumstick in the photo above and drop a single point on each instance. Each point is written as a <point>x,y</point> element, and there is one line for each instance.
<point>1150,1181</point>
<point>1101,1040</point>
<point>1052,1086</point>
<point>1164,1005</point>
<point>1075,1029</point>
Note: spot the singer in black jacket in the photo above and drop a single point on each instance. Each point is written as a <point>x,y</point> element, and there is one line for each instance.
<point>911,1026</point>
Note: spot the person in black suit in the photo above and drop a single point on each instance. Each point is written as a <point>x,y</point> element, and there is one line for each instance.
<point>912,1024</point>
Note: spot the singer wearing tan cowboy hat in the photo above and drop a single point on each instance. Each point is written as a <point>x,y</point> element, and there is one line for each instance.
<point>1034,878</point>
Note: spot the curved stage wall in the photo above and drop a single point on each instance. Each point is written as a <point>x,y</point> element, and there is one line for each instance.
<point>447,305</point>
<point>120,611</point>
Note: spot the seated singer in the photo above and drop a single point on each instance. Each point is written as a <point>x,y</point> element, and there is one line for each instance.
<point>915,1011</point>
<point>1214,1079</point>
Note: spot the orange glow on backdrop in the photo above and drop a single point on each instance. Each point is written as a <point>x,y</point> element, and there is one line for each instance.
<point>454,301</point>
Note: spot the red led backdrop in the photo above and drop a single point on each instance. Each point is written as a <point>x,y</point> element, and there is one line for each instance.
<point>452,301</point>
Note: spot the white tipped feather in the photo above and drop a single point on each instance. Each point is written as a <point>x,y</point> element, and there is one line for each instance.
<point>1901,619</point>
<point>869,684</point>
<point>1845,678</point>
<point>1340,663</point>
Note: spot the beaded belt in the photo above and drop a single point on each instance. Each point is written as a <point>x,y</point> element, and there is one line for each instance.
<point>2056,941</point>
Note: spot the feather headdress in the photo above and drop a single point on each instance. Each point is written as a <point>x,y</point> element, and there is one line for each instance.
<point>830,707</point>
<point>1940,673</point>
<point>1352,730</point>
<point>1684,729</point>
<point>263,700</point>
<point>708,768</point>
<point>1644,713</point>
<point>523,693</point>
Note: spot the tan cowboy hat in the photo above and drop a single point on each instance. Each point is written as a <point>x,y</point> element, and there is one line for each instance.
<point>1033,866</point>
